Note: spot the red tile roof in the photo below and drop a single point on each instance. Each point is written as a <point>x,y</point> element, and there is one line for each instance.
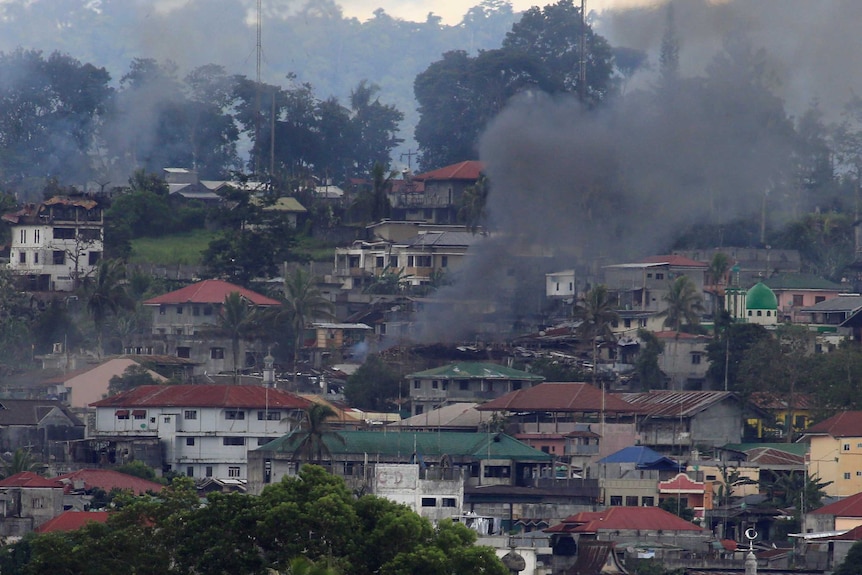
<point>847,507</point>
<point>843,424</point>
<point>108,479</point>
<point>469,170</point>
<point>769,456</point>
<point>623,518</point>
<point>210,292</point>
<point>559,397</point>
<point>673,260</point>
<point>211,395</point>
<point>72,521</point>
<point>29,479</point>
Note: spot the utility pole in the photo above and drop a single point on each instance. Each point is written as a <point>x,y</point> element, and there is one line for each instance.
<point>409,153</point>
<point>257,110</point>
<point>582,57</point>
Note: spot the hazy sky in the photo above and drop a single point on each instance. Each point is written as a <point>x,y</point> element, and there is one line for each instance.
<point>452,10</point>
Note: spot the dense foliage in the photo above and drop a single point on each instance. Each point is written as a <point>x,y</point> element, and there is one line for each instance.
<point>313,516</point>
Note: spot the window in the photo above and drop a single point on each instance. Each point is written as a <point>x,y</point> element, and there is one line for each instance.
<point>631,500</point>
<point>233,441</point>
<point>659,276</point>
<point>37,236</point>
<point>139,414</point>
<point>846,447</point>
<point>423,261</point>
<point>449,502</point>
<point>37,503</point>
<point>93,258</point>
<point>847,475</point>
<point>463,385</point>
<point>648,501</point>
<point>435,384</point>
<point>710,477</point>
<point>695,359</point>
<point>231,472</point>
<point>419,409</point>
<point>263,440</point>
<point>209,471</point>
<point>616,500</point>
<point>22,257</point>
<point>429,502</point>
<point>353,261</point>
<point>59,257</point>
<point>417,384</point>
<point>23,236</point>
<point>190,471</point>
<point>797,299</point>
<point>378,261</point>
<point>179,310</point>
<point>190,441</point>
<point>627,322</point>
<point>444,263</point>
<point>161,310</point>
<point>208,310</point>
<point>185,352</point>
<point>216,353</point>
<point>393,261</point>
<point>819,298</point>
<point>496,471</point>
<point>269,415</point>
<point>234,414</point>
<point>35,257</point>
<point>122,414</point>
<point>190,414</point>
<point>196,310</point>
<point>64,233</point>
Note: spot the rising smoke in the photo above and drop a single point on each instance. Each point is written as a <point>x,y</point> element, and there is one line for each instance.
<point>712,143</point>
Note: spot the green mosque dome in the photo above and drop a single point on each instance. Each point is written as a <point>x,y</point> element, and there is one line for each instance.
<point>761,297</point>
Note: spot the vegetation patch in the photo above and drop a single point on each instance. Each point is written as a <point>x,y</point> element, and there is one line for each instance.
<point>181,248</point>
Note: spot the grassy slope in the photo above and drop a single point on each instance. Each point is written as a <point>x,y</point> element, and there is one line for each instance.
<point>188,247</point>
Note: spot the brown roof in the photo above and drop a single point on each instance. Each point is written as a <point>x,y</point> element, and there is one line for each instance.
<point>239,396</point>
<point>72,521</point>
<point>29,479</point>
<point>675,403</point>
<point>469,170</point>
<point>847,507</point>
<point>623,518</point>
<point>210,292</point>
<point>780,401</point>
<point>843,424</point>
<point>109,479</point>
<point>767,456</point>
<point>559,397</point>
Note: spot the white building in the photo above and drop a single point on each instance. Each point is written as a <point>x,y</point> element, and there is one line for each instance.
<point>203,430</point>
<point>57,243</point>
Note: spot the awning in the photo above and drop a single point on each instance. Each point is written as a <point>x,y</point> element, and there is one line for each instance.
<point>139,413</point>
<point>122,413</point>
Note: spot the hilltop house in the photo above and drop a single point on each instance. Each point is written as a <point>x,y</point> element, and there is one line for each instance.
<point>434,196</point>
<point>185,325</point>
<point>465,381</point>
<point>47,426</point>
<point>203,430</point>
<point>794,292</point>
<point>57,243</point>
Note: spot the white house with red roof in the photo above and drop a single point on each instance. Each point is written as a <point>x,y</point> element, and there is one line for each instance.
<point>203,430</point>
<point>184,325</point>
<point>643,285</point>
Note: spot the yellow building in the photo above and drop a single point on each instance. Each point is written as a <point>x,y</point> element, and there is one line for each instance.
<point>836,453</point>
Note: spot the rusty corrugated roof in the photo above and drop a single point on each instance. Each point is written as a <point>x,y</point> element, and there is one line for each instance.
<point>247,396</point>
<point>560,397</point>
<point>675,403</point>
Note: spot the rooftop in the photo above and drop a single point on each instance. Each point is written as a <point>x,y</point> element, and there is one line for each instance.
<point>474,370</point>
<point>72,521</point>
<point>210,292</point>
<point>843,424</point>
<point>560,397</point>
<point>469,170</point>
<point>108,479</point>
<point>623,518</point>
<point>212,395</point>
<point>675,403</point>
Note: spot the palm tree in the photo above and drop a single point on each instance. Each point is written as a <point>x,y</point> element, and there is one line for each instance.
<point>107,295</point>
<point>684,304</point>
<point>311,437</point>
<point>717,271</point>
<point>302,303</point>
<point>597,314</point>
<point>238,318</point>
<point>20,461</point>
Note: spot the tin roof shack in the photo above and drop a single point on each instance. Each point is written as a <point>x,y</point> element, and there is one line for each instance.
<point>28,500</point>
<point>677,421</point>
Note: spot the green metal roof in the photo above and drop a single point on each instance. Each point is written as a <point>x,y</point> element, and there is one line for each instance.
<point>761,297</point>
<point>801,281</point>
<point>426,444</point>
<point>475,370</point>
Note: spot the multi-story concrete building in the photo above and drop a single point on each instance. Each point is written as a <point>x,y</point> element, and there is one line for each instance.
<point>185,325</point>
<point>58,243</point>
<point>203,430</point>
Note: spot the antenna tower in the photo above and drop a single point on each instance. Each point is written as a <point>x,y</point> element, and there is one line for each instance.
<point>257,110</point>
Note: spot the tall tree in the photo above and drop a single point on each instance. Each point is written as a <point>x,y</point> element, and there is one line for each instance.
<point>375,386</point>
<point>106,295</point>
<point>238,320</point>
<point>303,302</point>
<point>597,313</point>
<point>310,439</point>
<point>684,304</point>
<point>375,125</point>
